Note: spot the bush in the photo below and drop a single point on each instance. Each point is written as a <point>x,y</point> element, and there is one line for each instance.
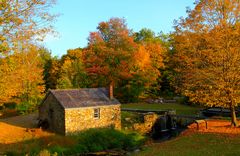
<point>28,104</point>
<point>10,105</point>
<point>26,107</point>
<point>23,108</point>
<point>103,139</point>
<point>129,118</point>
<point>94,140</point>
<point>57,149</point>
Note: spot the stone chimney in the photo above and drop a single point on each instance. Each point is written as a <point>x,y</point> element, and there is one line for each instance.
<point>111,91</point>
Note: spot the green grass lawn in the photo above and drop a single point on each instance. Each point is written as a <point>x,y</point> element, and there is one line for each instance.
<point>196,144</point>
<point>180,109</point>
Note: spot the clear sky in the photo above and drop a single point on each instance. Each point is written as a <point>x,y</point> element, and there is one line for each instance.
<point>79,17</point>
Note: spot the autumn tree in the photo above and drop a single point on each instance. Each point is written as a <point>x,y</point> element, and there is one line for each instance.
<point>22,24</point>
<point>109,55</point>
<point>30,70</point>
<point>154,49</point>
<point>22,76</point>
<point>23,21</point>
<point>9,77</point>
<point>208,54</point>
<point>114,56</point>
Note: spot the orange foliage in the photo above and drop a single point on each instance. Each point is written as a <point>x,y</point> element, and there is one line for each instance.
<point>110,52</point>
<point>21,73</point>
<point>208,54</point>
<point>113,55</point>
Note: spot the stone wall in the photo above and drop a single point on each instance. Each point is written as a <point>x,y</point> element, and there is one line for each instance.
<point>52,112</point>
<point>149,121</point>
<point>78,119</point>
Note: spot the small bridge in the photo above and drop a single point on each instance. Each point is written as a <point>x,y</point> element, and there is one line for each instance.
<point>169,116</point>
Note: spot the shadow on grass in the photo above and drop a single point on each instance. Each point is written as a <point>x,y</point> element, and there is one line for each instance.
<point>24,121</point>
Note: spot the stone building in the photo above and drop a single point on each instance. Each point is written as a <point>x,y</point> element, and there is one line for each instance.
<point>70,111</point>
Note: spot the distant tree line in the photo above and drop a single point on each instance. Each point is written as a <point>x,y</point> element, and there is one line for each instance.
<point>200,59</point>
<point>114,55</point>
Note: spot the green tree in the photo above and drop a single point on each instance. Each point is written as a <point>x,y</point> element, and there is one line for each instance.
<point>51,73</point>
<point>72,72</point>
<point>51,66</point>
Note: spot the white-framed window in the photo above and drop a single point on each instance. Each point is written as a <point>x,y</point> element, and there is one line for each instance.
<point>96,114</point>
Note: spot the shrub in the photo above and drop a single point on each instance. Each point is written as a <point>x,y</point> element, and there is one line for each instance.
<point>94,140</point>
<point>78,148</point>
<point>44,153</point>
<point>23,108</point>
<point>103,139</point>
<point>26,107</point>
<point>57,149</point>
<point>129,118</point>
<point>89,141</point>
<point>10,105</point>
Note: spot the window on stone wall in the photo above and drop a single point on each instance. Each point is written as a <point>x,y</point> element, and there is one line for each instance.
<point>96,114</point>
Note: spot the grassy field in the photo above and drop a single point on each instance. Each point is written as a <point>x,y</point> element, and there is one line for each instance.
<point>19,136</point>
<point>196,144</point>
<point>22,141</point>
<point>180,109</point>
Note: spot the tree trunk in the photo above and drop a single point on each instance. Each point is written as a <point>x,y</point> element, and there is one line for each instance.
<point>234,122</point>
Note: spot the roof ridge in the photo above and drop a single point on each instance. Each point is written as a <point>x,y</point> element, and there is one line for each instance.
<point>84,97</point>
<point>75,89</point>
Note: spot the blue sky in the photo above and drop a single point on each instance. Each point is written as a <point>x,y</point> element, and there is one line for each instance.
<point>79,17</point>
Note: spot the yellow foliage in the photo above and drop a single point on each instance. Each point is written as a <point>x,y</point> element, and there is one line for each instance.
<point>142,58</point>
<point>208,54</point>
<point>21,73</point>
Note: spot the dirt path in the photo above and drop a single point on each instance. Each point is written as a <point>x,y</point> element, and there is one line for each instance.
<point>20,128</point>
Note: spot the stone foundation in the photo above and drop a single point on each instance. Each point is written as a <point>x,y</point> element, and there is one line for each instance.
<point>147,125</point>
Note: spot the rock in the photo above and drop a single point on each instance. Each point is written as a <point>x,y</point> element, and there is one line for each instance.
<point>127,119</point>
<point>136,150</point>
<point>158,100</point>
<point>170,101</point>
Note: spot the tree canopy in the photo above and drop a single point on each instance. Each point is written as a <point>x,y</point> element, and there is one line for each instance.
<point>22,24</point>
<point>208,54</point>
<point>116,55</point>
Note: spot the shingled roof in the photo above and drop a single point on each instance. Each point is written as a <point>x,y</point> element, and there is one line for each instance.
<point>85,97</point>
